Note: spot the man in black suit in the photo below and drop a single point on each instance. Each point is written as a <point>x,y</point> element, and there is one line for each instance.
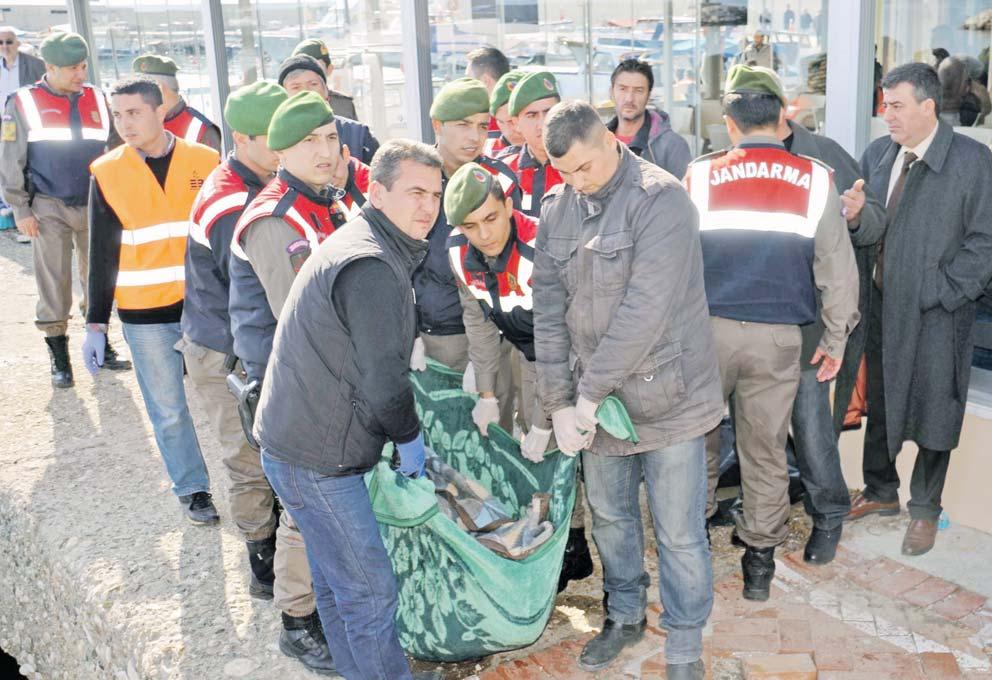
<point>17,68</point>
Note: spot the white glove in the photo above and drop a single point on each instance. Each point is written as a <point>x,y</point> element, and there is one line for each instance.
<point>468,379</point>
<point>486,411</point>
<point>535,443</point>
<point>570,440</point>
<point>418,358</point>
<point>585,415</point>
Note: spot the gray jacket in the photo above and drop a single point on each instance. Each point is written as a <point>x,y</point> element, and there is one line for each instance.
<point>620,308</point>
<point>657,142</point>
<point>938,261</point>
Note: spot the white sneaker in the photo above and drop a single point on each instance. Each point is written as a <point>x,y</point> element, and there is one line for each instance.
<point>21,238</point>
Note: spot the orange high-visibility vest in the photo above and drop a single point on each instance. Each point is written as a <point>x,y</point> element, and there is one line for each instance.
<point>155,220</point>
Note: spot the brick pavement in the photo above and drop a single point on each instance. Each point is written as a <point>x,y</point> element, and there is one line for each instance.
<point>855,619</point>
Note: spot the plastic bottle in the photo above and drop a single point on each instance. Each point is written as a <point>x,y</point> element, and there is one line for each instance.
<point>944,521</point>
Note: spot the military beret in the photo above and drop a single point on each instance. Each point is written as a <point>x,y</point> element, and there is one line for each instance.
<point>301,62</point>
<point>249,109</point>
<point>296,118</point>
<point>315,48</point>
<point>743,79</point>
<point>531,88</point>
<point>64,49</point>
<point>154,65</point>
<point>503,90</point>
<point>460,99</point>
<point>466,191</point>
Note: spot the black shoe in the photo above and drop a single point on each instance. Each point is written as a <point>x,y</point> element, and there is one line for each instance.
<point>113,361</point>
<point>758,565</point>
<point>302,638</point>
<point>605,647</point>
<point>822,545</point>
<point>686,671</point>
<point>199,508</point>
<point>577,564</point>
<point>261,556</point>
<point>736,540</point>
<point>58,353</point>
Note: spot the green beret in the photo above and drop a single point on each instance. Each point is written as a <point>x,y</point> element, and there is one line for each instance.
<point>249,109</point>
<point>503,90</point>
<point>154,65</point>
<point>743,79</point>
<point>531,88</point>
<point>64,49</point>
<point>314,48</point>
<point>460,99</point>
<point>466,191</point>
<point>296,118</point>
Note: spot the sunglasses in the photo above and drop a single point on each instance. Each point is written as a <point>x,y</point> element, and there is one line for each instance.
<point>7,42</point>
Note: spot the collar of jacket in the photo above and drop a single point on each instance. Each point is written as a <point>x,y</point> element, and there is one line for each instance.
<point>803,142</point>
<point>169,147</point>
<point>241,170</point>
<point>760,141</point>
<point>475,261</point>
<point>176,110</point>
<point>643,136</point>
<point>527,160</point>
<point>48,88</point>
<point>325,197</point>
<point>412,250</point>
<point>936,155</point>
<point>627,160</point>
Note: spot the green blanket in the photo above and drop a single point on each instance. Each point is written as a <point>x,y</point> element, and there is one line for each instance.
<point>459,600</point>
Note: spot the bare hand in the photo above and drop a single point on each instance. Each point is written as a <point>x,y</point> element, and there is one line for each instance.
<point>853,201</point>
<point>28,226</point>
<point>830,366</point>
<point>341,174</point>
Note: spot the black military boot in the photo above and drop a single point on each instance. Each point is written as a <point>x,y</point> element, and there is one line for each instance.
<point>58,352</point>
<point>605,647</point>
<point>758,565</point>
<point>302,638</point>
<point>577,564</point>
<point>261,556</point>
<point>113,361</point>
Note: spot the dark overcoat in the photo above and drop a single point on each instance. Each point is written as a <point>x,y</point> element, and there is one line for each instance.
<point>938,261</point>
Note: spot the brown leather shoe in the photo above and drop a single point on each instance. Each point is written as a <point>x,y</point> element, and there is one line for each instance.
<point>920,537</point>
<point>861,506</point>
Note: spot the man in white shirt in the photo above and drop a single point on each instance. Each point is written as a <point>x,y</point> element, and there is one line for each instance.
<point>16,68</point>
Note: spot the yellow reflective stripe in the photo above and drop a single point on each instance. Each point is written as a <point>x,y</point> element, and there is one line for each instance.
<point>150,277</point>
<point>156,232</point>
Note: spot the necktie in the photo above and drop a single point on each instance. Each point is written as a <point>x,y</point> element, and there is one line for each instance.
<point>890,210</point>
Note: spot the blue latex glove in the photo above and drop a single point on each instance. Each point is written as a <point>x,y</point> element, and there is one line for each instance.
<point>412,457</point>
<point>94,346</point>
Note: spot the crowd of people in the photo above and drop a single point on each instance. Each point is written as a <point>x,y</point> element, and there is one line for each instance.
<point>552,258</point>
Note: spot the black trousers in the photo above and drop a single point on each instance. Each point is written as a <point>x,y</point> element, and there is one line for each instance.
<point>881,478</point>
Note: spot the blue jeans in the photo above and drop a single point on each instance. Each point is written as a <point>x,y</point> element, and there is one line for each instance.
<point>352,576</point>
<point>159,368</point>
<point>676,491</point>
<point>827,500</point>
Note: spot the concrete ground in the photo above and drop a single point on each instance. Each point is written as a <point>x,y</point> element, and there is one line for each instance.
<point>105,579</point>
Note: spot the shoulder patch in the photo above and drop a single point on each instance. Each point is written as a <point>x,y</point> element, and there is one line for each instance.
<point>299,251</point>
<point>8,130</point>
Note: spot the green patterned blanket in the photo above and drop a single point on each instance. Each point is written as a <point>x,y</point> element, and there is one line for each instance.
<point>459,600</point>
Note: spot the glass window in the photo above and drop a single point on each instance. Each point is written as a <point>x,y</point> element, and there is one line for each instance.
<point>364,36</point>
<point>582,41</point>
<point>123,29</point>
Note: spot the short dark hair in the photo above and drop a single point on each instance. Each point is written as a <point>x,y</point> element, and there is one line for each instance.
<point>633,66</point>
<point>923,78</point>
<point>385,166</point>
<point>488,60</point>
<point>752,110</point>
<point>568,122</point>
<point>140,85</point>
